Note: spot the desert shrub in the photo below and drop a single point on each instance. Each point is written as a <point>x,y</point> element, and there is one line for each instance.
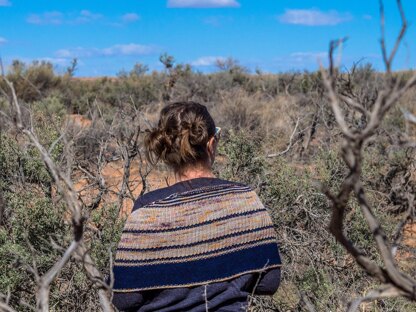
<point>330,168</point>
<point>33,81</point>
<point>88,143</point>
<point>315,265</point>
<point>19,165</point>
<point>35,228</point>
<point>32,223</point>
<point>9,162</point>
<point>311,82</point>
<point>244,162</point>
<point>104,241</point>
<point>257,113</point>
<point>51,105</point>
<point>27,238</point>
<point>300,214</point>
<point>136,89</point>
<point>237,114</point>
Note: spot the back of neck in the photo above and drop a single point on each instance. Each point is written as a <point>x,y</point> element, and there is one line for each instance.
<point>194,173</point>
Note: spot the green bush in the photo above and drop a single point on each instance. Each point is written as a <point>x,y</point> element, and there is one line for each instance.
<point>255,112</point>
<point>244,161</point>
<point>26,239</point>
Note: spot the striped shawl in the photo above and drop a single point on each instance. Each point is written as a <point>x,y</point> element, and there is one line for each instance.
<point>209,234</point>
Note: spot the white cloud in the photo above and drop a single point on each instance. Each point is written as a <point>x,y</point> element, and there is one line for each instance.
<point>207,61</point>
<point>53,18</point>
<point>127,49</point>
<point>57,18</point>
<point>301,60</point>
<point>305,56</point>
<point>313,17</point>
<point>130,17</point>
<point>307,59</point>
<point>66,53</point>
<point>213,21</point>
<point>115,50</point>
<point>217,21</point>
<point>56,61</point>
<point>86,16</point>
<point>203,4</point>
<point>2,40</point>
<point>5,3</point>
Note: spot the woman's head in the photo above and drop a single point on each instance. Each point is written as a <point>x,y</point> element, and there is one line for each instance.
<point>184,137</point>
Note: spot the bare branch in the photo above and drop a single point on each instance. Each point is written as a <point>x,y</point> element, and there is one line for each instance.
<point>408,116</point>
<point>384,292</point>
<point>6,308</point>
<point>64,186</point>
<point>290,142</point>
<point>388,59</point>
<point>397,283</point>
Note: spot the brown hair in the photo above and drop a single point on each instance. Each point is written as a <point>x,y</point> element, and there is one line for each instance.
<point>182,134</point>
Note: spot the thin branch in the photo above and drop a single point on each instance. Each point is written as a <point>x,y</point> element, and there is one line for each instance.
<point>397,283</point>
<point>290,142</point>
<point>388,59</point>
<point>377,294</point>
<point>6,308</point>
<point>64,186</point>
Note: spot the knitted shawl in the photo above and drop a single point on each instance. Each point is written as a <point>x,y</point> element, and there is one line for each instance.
<point>209,234</point>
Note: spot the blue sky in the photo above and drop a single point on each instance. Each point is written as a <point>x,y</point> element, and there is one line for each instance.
<point>274,35</point>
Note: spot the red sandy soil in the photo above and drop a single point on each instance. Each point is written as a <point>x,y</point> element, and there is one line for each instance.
<point>112,174</point>
<point>410,235</point>
<point>78,120</point>
<point>408,259</point>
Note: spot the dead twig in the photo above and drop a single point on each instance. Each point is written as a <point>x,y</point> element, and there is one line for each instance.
<point>64,187</point>
<point>290,142</point>
<point>397,283</point>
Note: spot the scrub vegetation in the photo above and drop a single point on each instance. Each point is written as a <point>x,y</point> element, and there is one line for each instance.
<point>331,154</point>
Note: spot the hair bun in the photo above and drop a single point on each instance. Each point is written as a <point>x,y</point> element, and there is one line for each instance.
<point>157,144</point>
<point>182,135</point>
<point>198,132</point>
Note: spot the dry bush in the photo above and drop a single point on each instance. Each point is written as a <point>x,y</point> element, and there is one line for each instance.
<point>283,116</point>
